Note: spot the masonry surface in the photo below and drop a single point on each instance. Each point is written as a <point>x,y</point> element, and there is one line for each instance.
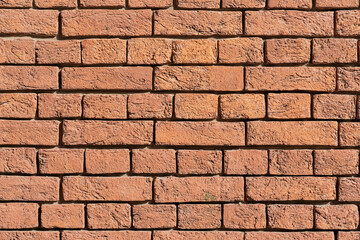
<point>179,120</point>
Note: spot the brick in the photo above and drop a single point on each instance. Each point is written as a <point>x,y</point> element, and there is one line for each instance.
<point>200,51</point>
<point>337,217</point>
<point>79,188</point>
<point>289,235</point>
<point>289,23</point>
<point>324,4</point>
<point>149,105</point>
<point>144,216</point>
<point>18,160</point>
<point>107,132</point>
<point>349,134</point>
<point>19,215</point>
<point>348,23</point>
<point>62,216</point>
<point>246,162</point>
<point>149,51</point>
<point>59,105</point>
<point>290,78</point>
<point>290,188</point>
<point>16,4</point>
<point>61,161</point>
<point>105,106</point>
<point>199,216</point>
<point>199,189</point>
<point>204,235</point>
<point>289,105</point>
<point>297,133</point>
<point>209,78</point>
<point>349,79</point>
<point>242,106</point>
<point>29,22</point>
<point>58,52</point>
<point>103,51</point>
<point>196,106</point>
<point>100,161</point>
<point>200,133</point>
<point>198,4</point>
<point>349,189</point>
<point>336,162</point>
<point>28,78</point>
<point>197,23</point>
<point>292,217</point>
<point>17,51</point>
<point>334,50</point>
<point>108,216</point>
<point>288,50</point>
<point>199,162</point>
<point>290,162</point>
<point>29,188</point>
<point>30,235</point>
<point>23,132</point>
<point>113,23</point>
<point>348,235</point>
<point>243,3</point>
<point>331,106</point>
<point>18,105</point>
<point>56,3</point>
<point>102,3</point>
<point>95,235</point>
<point>245,216</point>
<point>153,161</point>
<point>107,78</point>
<point>150,3</point>
<point>292,4</point>
<point>241,50</point>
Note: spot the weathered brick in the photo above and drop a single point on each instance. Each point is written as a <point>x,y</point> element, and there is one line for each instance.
<point>199,216</point>
<point>96,235</point>
<point>292,4</point>
<point>153,161</point>
<point>62,216</point>
<point>107,132</point>
<point>349,79</point>
<point>349,189</point>
<point>209,78</point>
<point>198,4</point>
<point>60,161</point>
<point>349,134</point>
<point>196,106</point>
<point>337,217</point>
<point>243,3</point>
<point>144,216</point>
<point>19,215</point>
<point>348,235</point>
<point>335,50</point>
<point>289,235</point>
<point>348,23</point>
<point>241,50</point>
<point>56,3</point>
<point>149,51</point>
<point>58,52</point>
<point>19,105</point>
<point>203,51</point>
<point>59,105</point>
<point>246,162</point>
<point>290,162</point>
<point>242,106</point>
<point>332,106</point>
<point>108,216</point>
<point>149,105</point>
<point>287,50</point>
<point>16,4</point>
<point>289,105</point>
<point>205,235</point>
<point>150,3</point>
<point>337,4</point>
<point>30,235</point>
<point>105,106</point>
<point>103,51</point>
<point>199,162</point>
<point>336,162</point>
<point>100,161</point>
<point>18,160</point>
<point>17,51</point>
<point>290,217</point>
<point>245,216</point>
<point>200,133</point>
<point>290,188</point>
<point>199,189</point>
<point>102,3</point>
<point>77,188</point>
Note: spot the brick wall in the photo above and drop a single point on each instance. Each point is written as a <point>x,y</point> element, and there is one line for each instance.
<point>177,120</point>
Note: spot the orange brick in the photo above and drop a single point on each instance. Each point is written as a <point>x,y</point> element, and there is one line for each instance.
<point>208,235</point>
<point>288,50</point>
<point>289,105</point>
<point>246,162</point>
<point>336,162</point>
<point>198,4</point>
<point>189,51</point>
<point>349,79</point>
<point>105,106</point>
<point>196,106</point>
<point>19,215</point>
<point>333,106</point>
<point>337,217</point>
<point>58,52</point>
<point>337,4</point>
<point>17,51</point>
<point>108,216</point>
<point>242,106</point>
<point>18,160</point>
<point>61,161</point>
<point>62,216</point>
<point>290,217</point>
<point>348,235</point>
<point>95,235</point>
<point>349,134</point>
<point>289,235</point>
<point>243,3</point>
<point>199,216</point>
<point>56,3</point>
<point>149,105</point>
<point>144,216</point>
<point>100,161</point>
<point>30,235</point>
<point>18,105</point>
<point>149,51</point>
<point>150,3</point>
<point>245,216</point>
<point>348,189</point>
<point>102,3</point>
<point>347,22</point>
<point>241,50</point>
<point>153,161</point>
<point>103,51</point>
<point>291,162</point>
<point>292,4</point>
<point>59,105</point>
<point>335,50</point>
<point>16,4</point>
<point>199,162</point>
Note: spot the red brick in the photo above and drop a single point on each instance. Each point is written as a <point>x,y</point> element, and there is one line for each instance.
<point>337,4</point>
<point>59,105</point>
<point>149,105</point>
<point>144,216</point>
<point>348,235</point>
<point>153,161</point>
<point>197,23</point>
<point>243,3</point>
<point>150,3</point>
<point>18,105</point>
<point>102,3</point>
<point>331,106</point>
<point>128,189</point>
<point>292,4</point>
<point>246,162</point>
<point>28,78</point>
<point>241,50</point>
<point>200,133</point>
<point>291,162</point>
<point>56,3</point>
<point>242,106</point>
<point>96,235</point>
<point>58,52</point>
<point>18,160</point>
<point>336,162</point>
<point>349,79</point>
<point>16,4</point>
<point>203,51</point>
<point>108,216</point>
<point>29,188</point>
<point>149,51</point>
<point>288,50</point>
<point>245,216</point>
<point>209,78</point>
<point>30,235</point>
<point>335,50</point>
<point>107,132</point>
<point>289,105</point>
<point>349,134</point>
<point>290,188</point>
<point>102,106</point>
<point>349,189</point>
<point>199,162</point>
<point>75,23</point>
<point>107,78</point>
<point>289,235</point>
<point>336,217</point>
<point>199,216</point>
<point>199,189</point>
<point>60,161</point>
<point>103,51</point>
<point>100,161</point>
<point>29,22</point>
<point>198,4</point>
<point>19,215</point>
<point>290,217</point>
<point>29,132</point>
<point>348,22</point>
<point>196,106</point>
<point>205,235</point>
<point>289,23</point>
<point>290,78</point>
<point>62,216</point>
<point>17,51</point>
